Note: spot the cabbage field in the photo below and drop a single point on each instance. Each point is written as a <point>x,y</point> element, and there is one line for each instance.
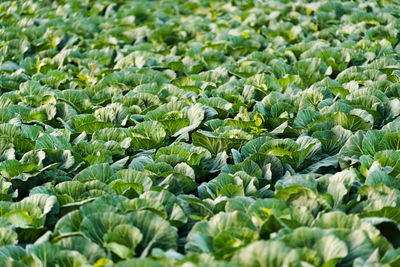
<point>188,133</point>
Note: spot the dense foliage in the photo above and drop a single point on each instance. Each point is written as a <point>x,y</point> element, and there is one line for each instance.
<point>199,133</point>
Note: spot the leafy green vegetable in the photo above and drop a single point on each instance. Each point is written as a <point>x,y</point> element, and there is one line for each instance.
<point>200,133</point>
